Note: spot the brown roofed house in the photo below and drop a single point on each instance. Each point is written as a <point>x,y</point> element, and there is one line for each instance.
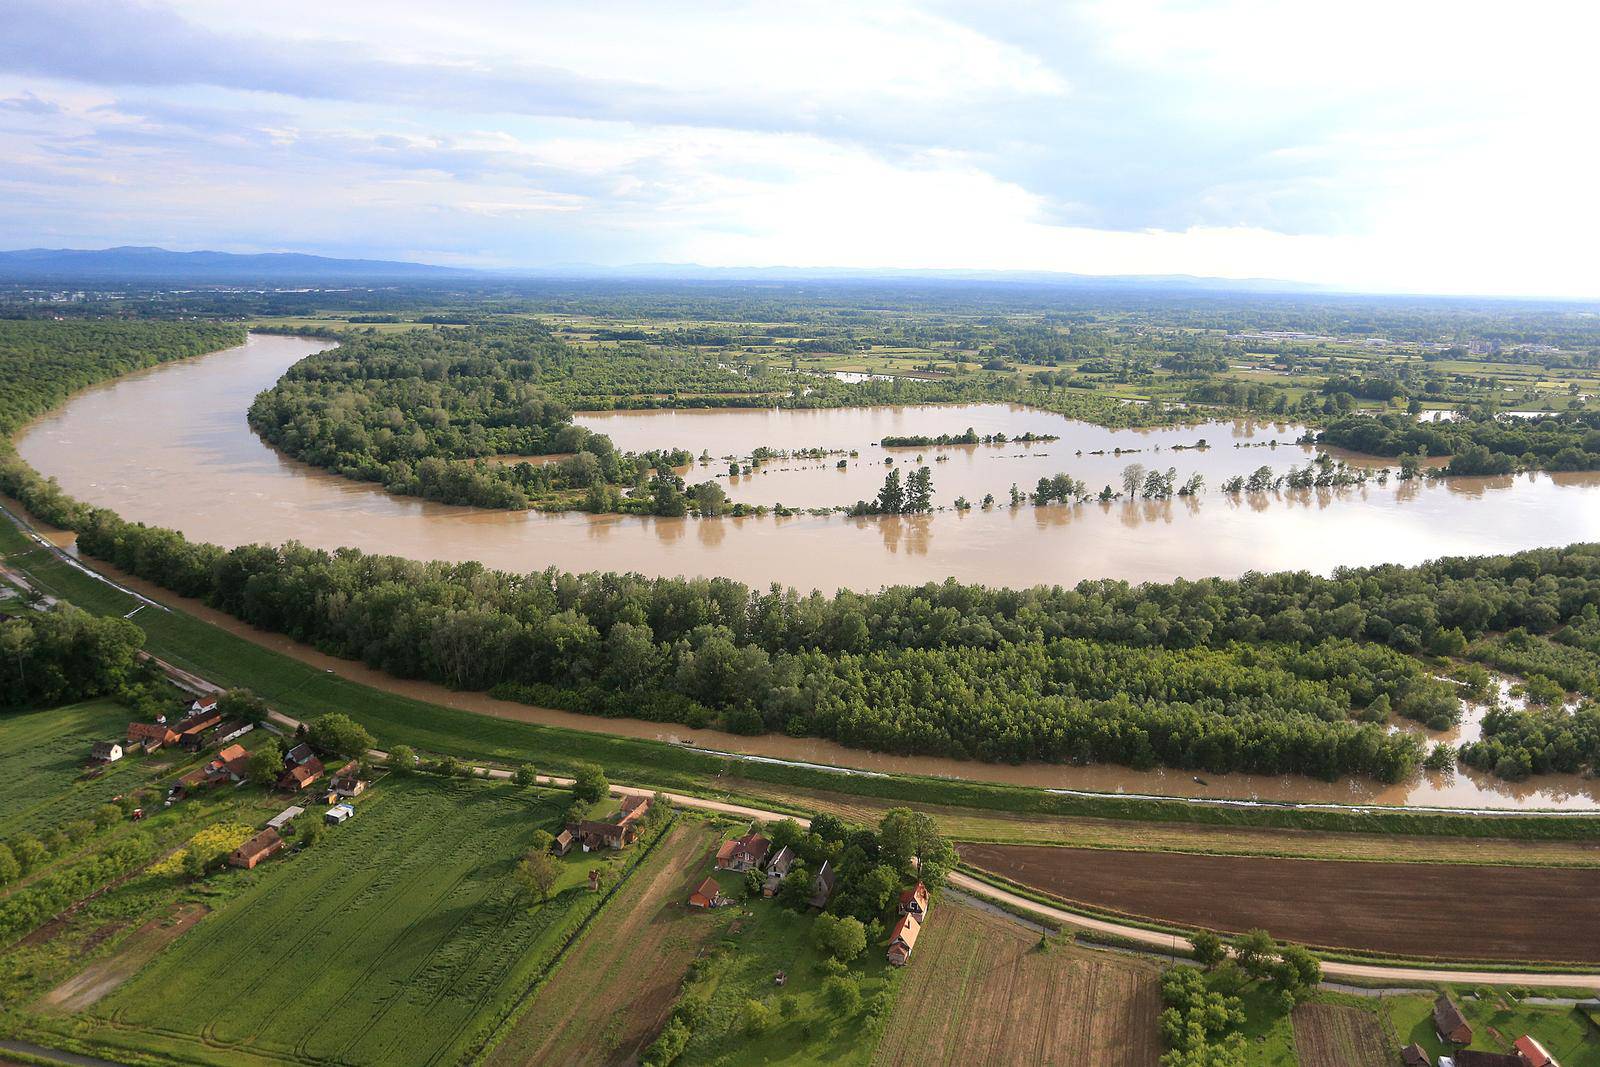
<point>150,735</point>
<point>563,842</point>
<point>1413,1055</point>
<point>903,939</point>
<point>231,765</point>
<point>1533,1053</point>
<point>822,885</point>
<point>914,901</point>
<point>347,781</point>
<point>105,752</point>
<point>300,775</point>
<point>256,849</point>
<point>1449,1023</point>
<point>743,853</point>
<point>706,894</point>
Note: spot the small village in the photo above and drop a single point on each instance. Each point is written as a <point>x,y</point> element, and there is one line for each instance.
<point>1454,1031</point>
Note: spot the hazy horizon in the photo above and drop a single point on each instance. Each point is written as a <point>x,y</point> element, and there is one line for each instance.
<point>1431,150</point>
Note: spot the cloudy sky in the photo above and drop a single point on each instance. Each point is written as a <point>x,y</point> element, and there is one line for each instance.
<point>1371,144</point>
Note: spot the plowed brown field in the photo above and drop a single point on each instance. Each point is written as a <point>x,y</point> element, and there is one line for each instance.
<point>979,991</point>
<point>1412,909</point>
<point>1329,1035</point>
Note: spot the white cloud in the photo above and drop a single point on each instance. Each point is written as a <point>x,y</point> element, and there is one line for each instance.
<point>1425,146</point>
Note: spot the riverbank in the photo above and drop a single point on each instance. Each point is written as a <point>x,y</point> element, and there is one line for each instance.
<point>197,638</point>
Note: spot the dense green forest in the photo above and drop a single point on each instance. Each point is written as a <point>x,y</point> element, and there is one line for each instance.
<point>61,656</point>
<point>1269,673</point>
<point>1479,443</point>
<point>42,363</point>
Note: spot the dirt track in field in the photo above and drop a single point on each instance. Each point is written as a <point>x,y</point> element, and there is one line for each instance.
<point>89,986</point>
<point>1427,910</point>
<point>1330,1035</point>
<point>978,990</point>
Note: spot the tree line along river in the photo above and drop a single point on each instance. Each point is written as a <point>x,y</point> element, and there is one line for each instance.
<point>170,446</point>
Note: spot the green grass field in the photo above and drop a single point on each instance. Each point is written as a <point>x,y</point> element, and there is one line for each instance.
<point>42,759</point>
<point>401,938</point>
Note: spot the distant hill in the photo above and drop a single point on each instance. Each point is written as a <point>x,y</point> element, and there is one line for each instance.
<point>131,263</point>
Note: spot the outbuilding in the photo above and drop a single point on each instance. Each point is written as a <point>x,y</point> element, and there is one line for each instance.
<point>338,814</point>
<point>106,752</point>
<point>285,817</point>
<point>256,849</point>
<point>903,939</point>
<point>708,894</point>
<point>1449,1023</point>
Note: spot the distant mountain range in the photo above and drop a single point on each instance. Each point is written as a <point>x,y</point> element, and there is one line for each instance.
<point>161,266</point>
<point>131,263</point>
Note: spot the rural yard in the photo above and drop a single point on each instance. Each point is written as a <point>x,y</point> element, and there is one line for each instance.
<point>610,994</point>
<point>1425,910</point>
<point>981,991</point>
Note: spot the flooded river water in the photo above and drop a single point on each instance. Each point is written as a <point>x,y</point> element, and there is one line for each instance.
<point>170,446</point>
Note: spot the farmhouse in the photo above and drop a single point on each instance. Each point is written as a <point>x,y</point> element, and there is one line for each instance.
<point>1449,1023</point>
<point>194,727</point>
<point>1532,1053</point>
<point>1413,1055</point>
<point>285,817</point>
<point>150,736</point>
<point>231,765</point>
<point>619,831</point>
<point>298,755</point>
<point>708,894</point>
<point>256,849</point>
<point>300,775</point>
<point>106,752</point>
<point>742,853</point>
<point>903,939</point>
<point>203,704</point>
<point>914,901</point>
<point>338,814</point>
<point>822,885</point>
<point>347,782</point>
<point>777,866</point>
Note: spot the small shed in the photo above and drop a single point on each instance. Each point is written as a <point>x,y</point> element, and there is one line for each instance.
<point>338,814</point>
<point>562,844</point>
<point>706,895</point>
<point>106,752</point>
<point>285,817</point>
<point>1413,1055</point>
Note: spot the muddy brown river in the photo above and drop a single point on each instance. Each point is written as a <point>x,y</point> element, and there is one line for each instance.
<point>170,446</point>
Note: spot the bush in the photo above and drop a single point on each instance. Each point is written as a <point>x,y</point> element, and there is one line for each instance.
<point>842,993</point>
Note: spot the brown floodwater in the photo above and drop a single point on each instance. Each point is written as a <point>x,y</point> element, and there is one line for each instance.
<point>170,446</point>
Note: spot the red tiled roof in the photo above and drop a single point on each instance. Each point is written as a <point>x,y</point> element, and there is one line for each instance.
<point>1532,1053</point>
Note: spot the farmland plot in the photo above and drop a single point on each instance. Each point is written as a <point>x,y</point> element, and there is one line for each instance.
<point>42,756</point>
<point>979,991</point>
<point>610,994</point>
<point>398,939</point>
<point>1333,1035</point>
